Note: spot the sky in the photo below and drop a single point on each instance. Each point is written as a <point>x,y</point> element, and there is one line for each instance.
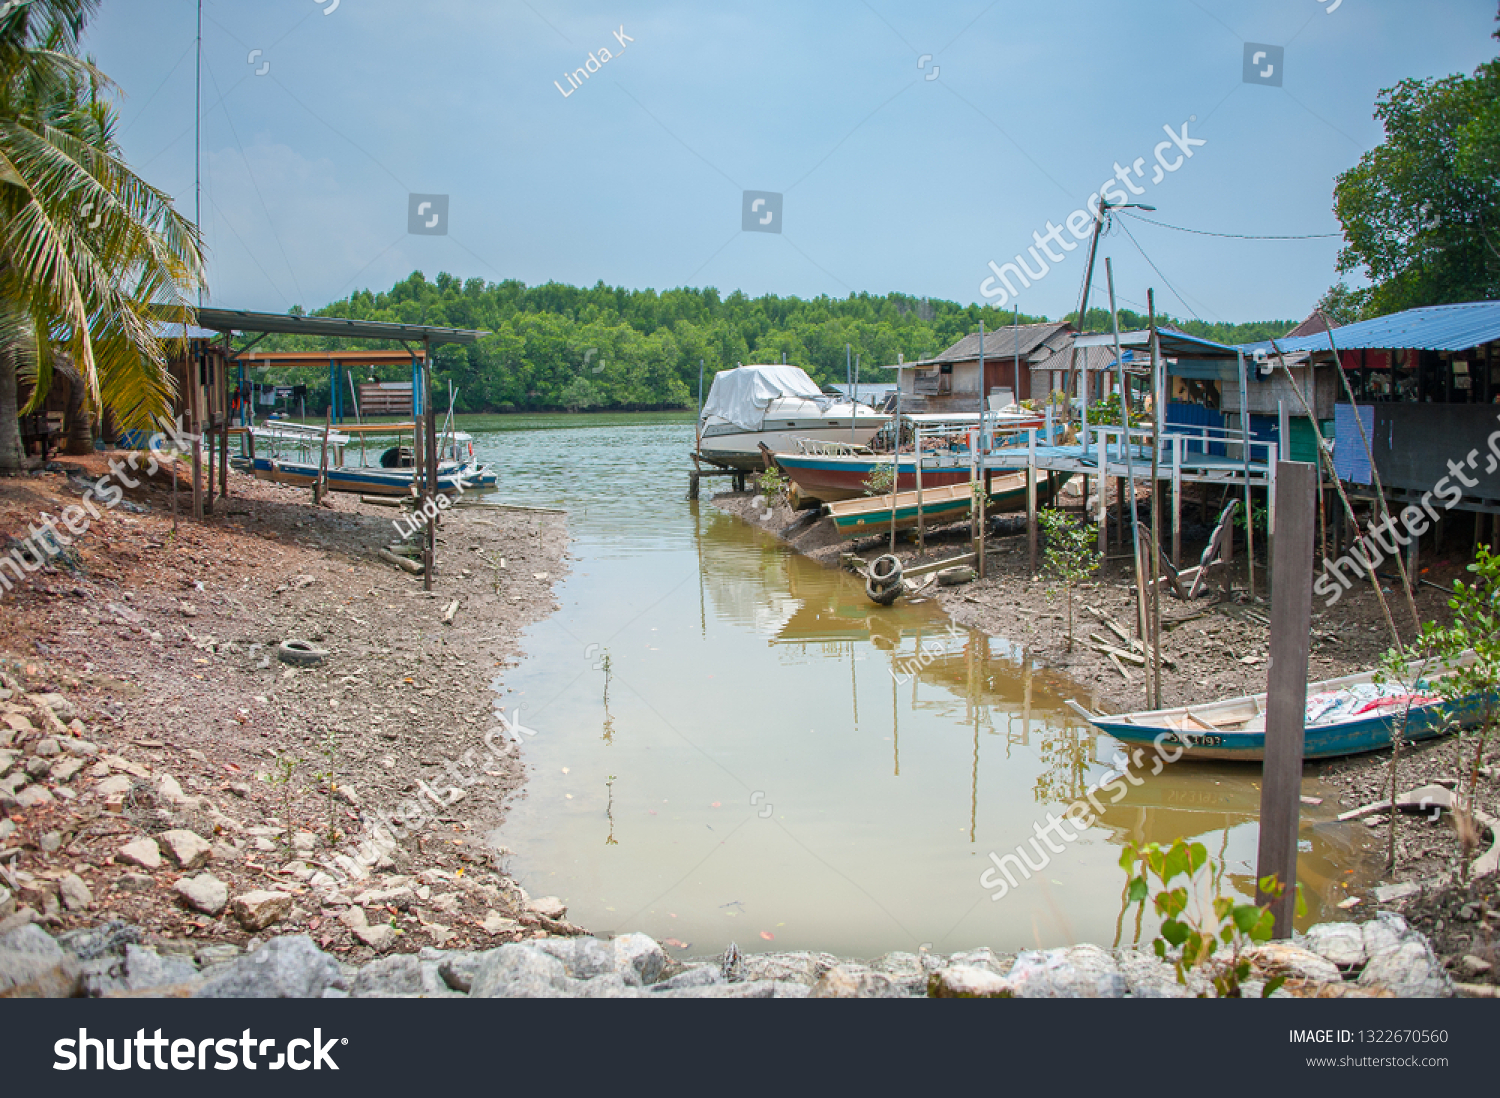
<point>898,146</point>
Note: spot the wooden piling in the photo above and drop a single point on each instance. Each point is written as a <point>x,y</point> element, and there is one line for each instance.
<point>1031,518</point>
<point>1286,702</point>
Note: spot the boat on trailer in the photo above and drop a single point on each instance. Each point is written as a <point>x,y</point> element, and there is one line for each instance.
<point>951,503</point>
<point>1351,715</point>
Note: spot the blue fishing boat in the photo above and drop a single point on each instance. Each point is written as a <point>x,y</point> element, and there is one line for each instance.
<point>1345,716</point>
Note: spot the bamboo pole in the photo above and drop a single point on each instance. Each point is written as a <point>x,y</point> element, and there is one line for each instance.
<point>1135,530</point>
<point>921,518</point>
<point>1157,411</point>
<point>1245,464</point>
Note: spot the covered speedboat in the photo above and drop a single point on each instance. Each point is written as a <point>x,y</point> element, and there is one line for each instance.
<point>778,406</point>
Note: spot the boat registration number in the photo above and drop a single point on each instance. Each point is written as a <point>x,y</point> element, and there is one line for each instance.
<point>1193,741</point>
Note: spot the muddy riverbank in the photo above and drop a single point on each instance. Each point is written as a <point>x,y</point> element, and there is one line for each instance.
<point>153,737</point>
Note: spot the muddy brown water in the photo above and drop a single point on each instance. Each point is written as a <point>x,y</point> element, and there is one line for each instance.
<point>729,742</point>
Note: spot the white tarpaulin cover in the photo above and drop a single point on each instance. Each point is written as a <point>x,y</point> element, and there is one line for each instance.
<point>742,395</point>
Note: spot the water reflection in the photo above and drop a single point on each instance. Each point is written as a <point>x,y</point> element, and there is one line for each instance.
<point>771,759</point>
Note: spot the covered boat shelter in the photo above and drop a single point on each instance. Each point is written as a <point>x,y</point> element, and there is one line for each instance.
<point>209,421</point>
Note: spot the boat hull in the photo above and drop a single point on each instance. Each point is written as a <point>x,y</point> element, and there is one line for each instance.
<point>837,477</point>
<point>939,506</point>
<point>736,448</point>
<point>370,482</point>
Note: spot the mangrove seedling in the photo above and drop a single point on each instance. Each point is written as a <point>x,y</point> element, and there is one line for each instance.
<point>1070,555</point>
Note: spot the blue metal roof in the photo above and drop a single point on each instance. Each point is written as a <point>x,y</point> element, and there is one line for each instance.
<point>1431,328</point>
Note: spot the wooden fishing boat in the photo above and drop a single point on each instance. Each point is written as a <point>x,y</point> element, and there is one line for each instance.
<point>453,478</point>
<point>1345,716</point>
<point>950,503</point>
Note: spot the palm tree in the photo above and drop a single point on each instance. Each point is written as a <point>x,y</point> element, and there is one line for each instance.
<point>89,252</point>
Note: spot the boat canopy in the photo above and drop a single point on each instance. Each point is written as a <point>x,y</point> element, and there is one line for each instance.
<point>742,395</point>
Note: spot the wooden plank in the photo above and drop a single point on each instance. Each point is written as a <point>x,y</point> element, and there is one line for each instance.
<point>400,562</point>
<point>938,565</point>
<point>1291,624</point>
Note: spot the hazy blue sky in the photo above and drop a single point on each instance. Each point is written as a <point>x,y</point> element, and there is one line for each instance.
<point>891,180</point>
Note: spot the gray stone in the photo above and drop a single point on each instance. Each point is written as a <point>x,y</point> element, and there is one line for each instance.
<point>1149,977</point>
<point>852,981</point>
<point>695,977</point>
<point>909,970</point>
<point>64,769</point>
<point>378,936</point>
<point>7,760</point>
<point>135,882</point>
<point>967,982</point>
<point>205,893</point>
<point>142,852</point>
<point>638,959</point>
<point>7,903</point>
<point>33,966</point>
<point>1411,971</point>
<point>187,850</point>
<point>548,907</point>
<point>47,747</point>
<point>799,967</point>
<point>1341,943</point>
<point>37,767</point>
<point>140,969</point>
<point>1389,894</point>
<point>518,971</point>
<point>1385,932</point>
<point>87,943</point>
<point>51,842</point>
<point>609,986</point>
<point>457,970</point>
<point>582,958</point>
<point>33,796</point>
<point>259,909</point>
<point>985,957</point>
<point>401,976</point>
<point>1078,972</point>
<point>1473,967</point>
<point>115,785</point>
<point>74,893</point>
<point>290,967</point>
<point>75,746</point>
<point>749,989</point>
<point>219,954</point>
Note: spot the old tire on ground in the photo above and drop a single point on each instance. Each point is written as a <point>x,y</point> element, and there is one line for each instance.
<point>299,653</point>
<point>885,572</point>
<point>884,596</point>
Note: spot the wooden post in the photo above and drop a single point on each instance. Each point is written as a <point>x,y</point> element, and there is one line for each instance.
<point>1031,531</point>
<point>320,484</point>
<point>1103,492</point>
<point>1245,456</point>
<point>1177,442</point>
<point>1286,702</point>
<point>429,447</point>
<point>921,519</point>
<point>195,365</point>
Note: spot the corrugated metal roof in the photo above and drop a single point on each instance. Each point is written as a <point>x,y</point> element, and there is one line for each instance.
<point>998,343</point>
<point>1430,328</point>
<point>238,320</point>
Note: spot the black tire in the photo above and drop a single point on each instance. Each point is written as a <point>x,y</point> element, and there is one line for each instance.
<point>884,596</point>
<point>885,572</point>
<point>299,653</point>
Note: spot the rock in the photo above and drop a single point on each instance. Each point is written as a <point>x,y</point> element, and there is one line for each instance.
<point>142,852</point>
<point>1078,972</point>
<point>137,969</point>
<point>1411,971</point>
<point>289,967</point>
<point>259,909</point>
<point>908,970</point>
<point>36,767</point>
<point>585,958</point>
<point>1389,894</point>
<point>378,936</point>
<point>33,796</point>
<point>51,842</point>
<point>967,982</point>
<point>187,850</point>
<point>1384,933</point>
<point>88,943</point>
<point>7,903</point>
<point>1293,962</point>
<point>74,746</point>
<point>848,981</point>
<point>495,923</point>
<point>1149,977</point>
<point>548,907</point>
<point>986,958</point>
<point>205,893</point>
<point>33,966</point>
<point>638,959</point>
<point>518,972</point>
<point>1341,943</point>
<point>1472,966</point>
<point>457,970</point>
<point>46,747</point>
<point>799,967</point>
<point>403,976</point>
<point>134,882</point>
<point>7,760</point>
<point>115,785</point>
<point>169,790</point>
<point>304,842</point>
<point>752,989</point>
<point>75,894</point>
<point>210,955</point>
<point>60,705</point>
<point>64,769</point>
<point>696,977</point>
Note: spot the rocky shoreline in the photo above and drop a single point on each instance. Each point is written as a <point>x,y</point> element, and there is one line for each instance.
<point>1381,959</point>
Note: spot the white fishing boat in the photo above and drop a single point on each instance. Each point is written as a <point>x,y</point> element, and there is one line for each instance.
<point>778,406</point>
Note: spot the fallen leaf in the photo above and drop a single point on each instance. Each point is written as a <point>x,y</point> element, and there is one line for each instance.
<point>675,944</point>
<point>768,936</point>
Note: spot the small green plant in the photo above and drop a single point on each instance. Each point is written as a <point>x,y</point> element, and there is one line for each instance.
<point>609,810</point>
<point>286,772</point>
<point>328,776</point>
<point>1071,554</point>
<point>1058,397</point>
<point>881,480</point>
<point>609,721</point>
<point>1196,939</point>
<point>771,484</point>
<point>1106,413</point>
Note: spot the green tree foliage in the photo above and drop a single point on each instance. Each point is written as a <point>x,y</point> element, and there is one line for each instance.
<point>640,349</point>
<point>1421,211</point>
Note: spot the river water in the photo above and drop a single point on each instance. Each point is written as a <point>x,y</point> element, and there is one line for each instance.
<point>731,743</point>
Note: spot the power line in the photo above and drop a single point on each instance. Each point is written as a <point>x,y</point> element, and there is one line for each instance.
<point>1233,236</point>
<point>1157,269</point>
